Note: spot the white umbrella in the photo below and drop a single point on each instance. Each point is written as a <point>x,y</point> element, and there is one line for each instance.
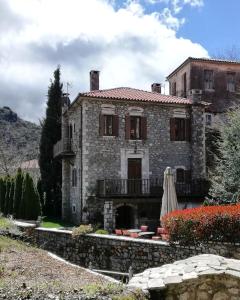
<point>169,198</point>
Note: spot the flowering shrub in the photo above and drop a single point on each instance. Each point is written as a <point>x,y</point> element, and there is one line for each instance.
<point>203,224</point>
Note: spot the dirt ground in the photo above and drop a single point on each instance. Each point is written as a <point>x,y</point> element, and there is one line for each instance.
<point>30,273</point>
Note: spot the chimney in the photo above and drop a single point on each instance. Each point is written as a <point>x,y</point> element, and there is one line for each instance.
<point>156,87</point>
<point>94,80</point>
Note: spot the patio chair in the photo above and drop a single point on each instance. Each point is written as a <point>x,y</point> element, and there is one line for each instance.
<point>118,232</point>
<point>144,228</point>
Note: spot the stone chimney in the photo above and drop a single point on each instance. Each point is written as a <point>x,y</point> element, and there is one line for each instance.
<point>156,87</point>
<point>94,80</point>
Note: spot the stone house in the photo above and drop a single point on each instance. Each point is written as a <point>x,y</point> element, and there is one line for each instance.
<point>215,81</point>
<point>115,146</point>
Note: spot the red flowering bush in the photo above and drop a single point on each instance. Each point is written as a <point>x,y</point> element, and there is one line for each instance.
<point>203,224</point>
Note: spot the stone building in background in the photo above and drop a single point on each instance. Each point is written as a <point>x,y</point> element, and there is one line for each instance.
<point>214,81</point>
<point>115,146</point>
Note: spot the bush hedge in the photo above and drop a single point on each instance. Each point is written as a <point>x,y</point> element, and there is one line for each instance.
<point>203,224</point>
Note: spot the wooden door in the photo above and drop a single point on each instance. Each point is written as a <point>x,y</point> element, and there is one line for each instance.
<point>134,176</point>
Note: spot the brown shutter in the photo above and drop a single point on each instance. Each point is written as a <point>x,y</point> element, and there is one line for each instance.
<point>127,127</point>
<point>188,130</point>
<point>101,125</point>
<point>187,176</point>
<point>115,125</point>
<point>172,129</point>
<point>144,128</point>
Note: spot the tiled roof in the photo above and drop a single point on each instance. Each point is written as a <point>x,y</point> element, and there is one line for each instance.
<point>203,59</point>
<point>126,93</point>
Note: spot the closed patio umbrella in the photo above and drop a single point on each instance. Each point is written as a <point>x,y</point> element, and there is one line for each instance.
<point>169,198</point>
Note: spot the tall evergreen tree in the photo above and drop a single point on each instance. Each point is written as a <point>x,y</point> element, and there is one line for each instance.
<point>51,169</point>
<point>17,193</point>
<point>225,184</point>
<point>7,195</point>
<point>30,207</point>
<point>2,194</point>
<point>11,194</point>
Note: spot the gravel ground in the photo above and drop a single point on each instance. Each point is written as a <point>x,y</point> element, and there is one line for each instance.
<point>30,273</point>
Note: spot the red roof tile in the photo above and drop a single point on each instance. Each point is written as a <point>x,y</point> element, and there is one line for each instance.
<point>125,93</point>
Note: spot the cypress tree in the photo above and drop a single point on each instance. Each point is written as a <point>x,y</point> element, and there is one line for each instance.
<point>2,194</point>
<point>40,191</point>
<point>17,193</point>
<point>7,196</point>
<point>11,194</point>
<point>51,170</point>
<point>30,207</point>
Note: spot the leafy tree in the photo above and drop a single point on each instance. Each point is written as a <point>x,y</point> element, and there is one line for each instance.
<point>51,170</point>
<point>2,194</point>
<point>225,184</point>
<point>17,193</point>
<point>30,207</point>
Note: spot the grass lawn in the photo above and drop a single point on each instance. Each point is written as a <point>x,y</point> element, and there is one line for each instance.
<point>30,273</point>
<point>54,223</point>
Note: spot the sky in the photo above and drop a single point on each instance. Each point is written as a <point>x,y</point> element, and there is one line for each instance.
<point>131,42</point>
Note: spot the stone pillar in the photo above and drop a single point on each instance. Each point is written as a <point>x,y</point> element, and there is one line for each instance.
<point>198,156</point>
<point>109,216</point>
<point>65,190</point>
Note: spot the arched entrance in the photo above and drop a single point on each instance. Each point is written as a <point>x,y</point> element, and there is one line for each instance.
<point>124,217</point>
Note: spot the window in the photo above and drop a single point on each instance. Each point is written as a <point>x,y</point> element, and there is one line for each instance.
<point>231,82</point>
<point>135,128</point>
<point>184,84</point>
<point>180,129</point>
<point>180,175</point>
<point>74,208</point>
<point>208,79</point>
<point>74,177</point>
<point>108,125</point>
<point>174,88</point>
<point>208,119</point>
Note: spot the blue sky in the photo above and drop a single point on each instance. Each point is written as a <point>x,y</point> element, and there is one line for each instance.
<point>132,43</point>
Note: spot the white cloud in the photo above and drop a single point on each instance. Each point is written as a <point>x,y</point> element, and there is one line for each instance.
<point>177,5</point>
<point>128,46</point>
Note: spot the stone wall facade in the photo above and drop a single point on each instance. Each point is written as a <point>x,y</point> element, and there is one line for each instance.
<point>105,157</point>
<point>119,253</point>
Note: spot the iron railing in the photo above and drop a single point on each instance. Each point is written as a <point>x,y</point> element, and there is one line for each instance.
<point>148,187</point>
<point>63,147</point>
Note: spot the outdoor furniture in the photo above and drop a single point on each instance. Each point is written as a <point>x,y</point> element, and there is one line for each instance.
<point>144,228</point>
<point>126,232</point>
<point>134,235</point>
<point>118,232</point>
<point>156,238</point>
<point>165,237</point>
<point>161,230</point>
<point>134,230</point>
<point>146,234</point>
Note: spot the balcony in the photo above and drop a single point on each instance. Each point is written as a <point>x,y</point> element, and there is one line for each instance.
<point>148,188</point>
<point>63,148</point>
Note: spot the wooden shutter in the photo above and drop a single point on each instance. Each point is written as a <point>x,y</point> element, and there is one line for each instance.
<point>187,176</point>
<point>115,125</point>
<point>172,129</point>
<point>188,130</point>
<point>144,128</point>
<point>127,127</point>
<point>101,125</point>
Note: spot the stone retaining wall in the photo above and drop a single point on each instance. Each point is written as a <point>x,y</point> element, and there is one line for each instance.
<point>118,253</point>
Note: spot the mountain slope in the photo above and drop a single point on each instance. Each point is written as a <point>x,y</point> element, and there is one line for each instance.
<point>19,139</point>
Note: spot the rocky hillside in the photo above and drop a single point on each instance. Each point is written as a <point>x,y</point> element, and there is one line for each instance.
<point>19,139</point>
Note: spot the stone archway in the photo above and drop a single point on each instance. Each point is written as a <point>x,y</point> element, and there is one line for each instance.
<point>125,216</point>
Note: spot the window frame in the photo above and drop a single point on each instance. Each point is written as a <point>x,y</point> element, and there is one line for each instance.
<point>231,83</point>
<point>74,177</point>
<point>134,129</point>
<point>107,125</point>
<point>208,79</point>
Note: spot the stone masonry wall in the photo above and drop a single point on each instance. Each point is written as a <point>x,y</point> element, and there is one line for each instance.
<point>119,253</point>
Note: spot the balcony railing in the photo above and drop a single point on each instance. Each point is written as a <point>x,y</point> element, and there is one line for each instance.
<point>148,187</point>
<point>63,148</point>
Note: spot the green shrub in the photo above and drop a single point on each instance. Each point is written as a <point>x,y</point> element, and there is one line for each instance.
<point>82,229</point>
<point>101,231</point>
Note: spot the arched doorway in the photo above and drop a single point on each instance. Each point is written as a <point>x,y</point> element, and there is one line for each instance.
<point>124,217</point>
